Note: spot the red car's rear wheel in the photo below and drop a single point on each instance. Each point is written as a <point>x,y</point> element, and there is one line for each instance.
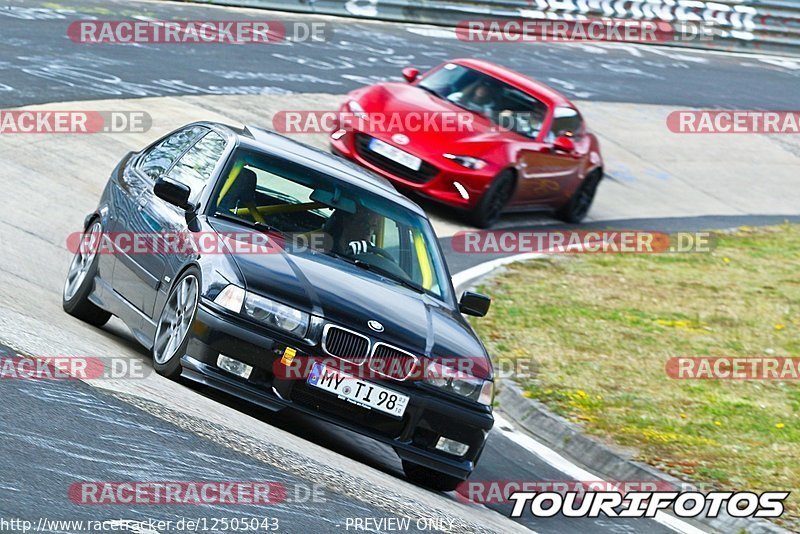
<point>578,205</point>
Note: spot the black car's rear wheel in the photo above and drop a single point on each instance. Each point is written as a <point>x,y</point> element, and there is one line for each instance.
<point>575,210</point>
<point>80,279</point>
<point>494,200</point>
<point>174,323</point>
<point>424,476</point>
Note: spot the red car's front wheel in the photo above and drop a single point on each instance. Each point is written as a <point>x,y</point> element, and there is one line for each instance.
<point>494,200</point>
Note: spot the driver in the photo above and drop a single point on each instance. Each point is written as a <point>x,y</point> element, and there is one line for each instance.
<point>477,98</point>
<point>353,233</point>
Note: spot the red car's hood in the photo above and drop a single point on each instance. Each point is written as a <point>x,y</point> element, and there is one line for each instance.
<point>476,136</point>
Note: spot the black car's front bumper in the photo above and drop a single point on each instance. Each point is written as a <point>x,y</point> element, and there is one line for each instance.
<point>427,417</point>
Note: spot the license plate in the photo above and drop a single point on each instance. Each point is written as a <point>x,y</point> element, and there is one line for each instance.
<point>351,389</point>
<point>395,154</point>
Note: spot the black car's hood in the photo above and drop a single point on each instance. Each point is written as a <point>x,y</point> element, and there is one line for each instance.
<point>348,295</point>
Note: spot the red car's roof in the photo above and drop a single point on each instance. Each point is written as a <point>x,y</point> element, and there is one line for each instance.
<point>546,94</point>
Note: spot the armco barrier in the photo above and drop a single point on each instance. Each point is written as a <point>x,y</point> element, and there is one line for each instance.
<point>746,25</point>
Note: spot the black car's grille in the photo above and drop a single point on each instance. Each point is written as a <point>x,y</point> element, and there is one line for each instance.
<point>392,362</point>
<point>345,344</point>
<point>424,175</point>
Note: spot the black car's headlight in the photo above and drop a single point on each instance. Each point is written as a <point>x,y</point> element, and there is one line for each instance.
<point>276,314</point>
<point>264,310</point>
<point>460,383</point>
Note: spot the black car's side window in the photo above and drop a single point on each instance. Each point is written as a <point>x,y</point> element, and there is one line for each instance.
<point>197,165</point>
<point>160,158</point>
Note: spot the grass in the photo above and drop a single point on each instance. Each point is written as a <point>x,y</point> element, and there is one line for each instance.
<point>602,327</point>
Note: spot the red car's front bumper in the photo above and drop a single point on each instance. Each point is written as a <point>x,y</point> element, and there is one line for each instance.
<point>436,179</point>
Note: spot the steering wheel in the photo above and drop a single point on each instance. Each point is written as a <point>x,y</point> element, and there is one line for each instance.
<point>383,260</point>
<point>378,251</point>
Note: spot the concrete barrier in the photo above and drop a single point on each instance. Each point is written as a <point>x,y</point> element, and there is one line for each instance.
<point>742,25</point>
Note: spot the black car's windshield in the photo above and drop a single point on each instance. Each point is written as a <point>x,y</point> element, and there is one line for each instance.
<point>325,215</point>
<point>475,91</point>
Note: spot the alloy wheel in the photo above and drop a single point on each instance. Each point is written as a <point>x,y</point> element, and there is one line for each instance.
<point>176,318</point>
<point>82,261</point>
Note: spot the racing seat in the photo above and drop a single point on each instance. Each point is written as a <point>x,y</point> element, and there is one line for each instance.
<point>240,198</point>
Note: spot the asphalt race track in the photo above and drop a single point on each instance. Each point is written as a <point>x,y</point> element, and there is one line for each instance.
<point>40,64</point>
<point>59,433</point>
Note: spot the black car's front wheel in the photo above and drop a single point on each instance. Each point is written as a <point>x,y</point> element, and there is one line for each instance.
<point>80,279</point>
<point>174,323</point>
<point>424,476</point>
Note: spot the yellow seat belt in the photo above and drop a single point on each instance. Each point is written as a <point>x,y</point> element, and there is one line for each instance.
<point>229,182</point>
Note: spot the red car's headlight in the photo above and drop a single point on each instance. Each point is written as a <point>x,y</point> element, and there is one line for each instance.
<point>356,109</point>
<point>466,161</point>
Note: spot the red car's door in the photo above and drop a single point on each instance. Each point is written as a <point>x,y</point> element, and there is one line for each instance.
<point>544,174</point>
<point>549,171</point>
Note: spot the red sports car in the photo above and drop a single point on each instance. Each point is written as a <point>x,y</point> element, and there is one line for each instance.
<point>501,141</point>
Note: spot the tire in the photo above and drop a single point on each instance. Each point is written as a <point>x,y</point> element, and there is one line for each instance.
<point>575,210</point>
<point>494,200</point>
<point>429,478</point>
<point>80,279</point>
<point>174,323</point>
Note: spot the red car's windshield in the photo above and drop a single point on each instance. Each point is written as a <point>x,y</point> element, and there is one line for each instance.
<point>504,105</point>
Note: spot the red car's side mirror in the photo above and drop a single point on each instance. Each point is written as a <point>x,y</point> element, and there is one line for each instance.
<point>564,144</point>
<point>410,74</point>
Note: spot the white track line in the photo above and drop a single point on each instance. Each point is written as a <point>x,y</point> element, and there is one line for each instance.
<point>485,268</point>
<point>577,473</point>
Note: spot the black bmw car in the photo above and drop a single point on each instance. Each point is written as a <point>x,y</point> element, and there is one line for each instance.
<point>353,275</point>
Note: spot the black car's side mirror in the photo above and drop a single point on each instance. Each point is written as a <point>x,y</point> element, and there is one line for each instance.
<point>410,74</point>
<point>174,193</point>
<point>474,304</point>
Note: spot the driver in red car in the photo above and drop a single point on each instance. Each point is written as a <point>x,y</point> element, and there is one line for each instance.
<point>476,97</point>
